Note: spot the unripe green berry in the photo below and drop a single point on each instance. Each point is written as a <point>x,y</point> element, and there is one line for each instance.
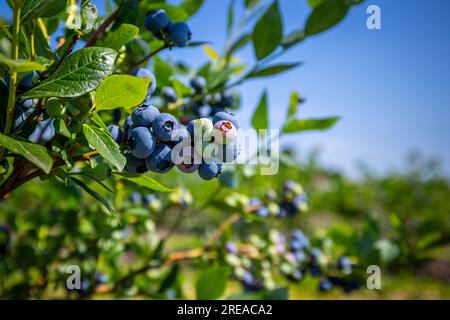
<point>55,108</point>
<point>102,171</point>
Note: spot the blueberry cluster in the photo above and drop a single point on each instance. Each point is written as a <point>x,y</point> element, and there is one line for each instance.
<point>152,201</point>
<point>164,29</point>
<point>288,203</point>
<point>254,262</point>
<point>206,104</point>
<point>157,142</point>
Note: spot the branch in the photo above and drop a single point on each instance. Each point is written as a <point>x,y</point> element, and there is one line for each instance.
<point>148,56</point>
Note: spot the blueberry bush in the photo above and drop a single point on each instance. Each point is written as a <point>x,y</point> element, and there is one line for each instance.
<point>97,123</point>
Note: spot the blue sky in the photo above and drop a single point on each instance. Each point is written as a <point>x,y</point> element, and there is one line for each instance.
<point>391,87</point>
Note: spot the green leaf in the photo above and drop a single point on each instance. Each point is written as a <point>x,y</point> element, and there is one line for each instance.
<point>294,100</point>
<point>121,91</point>
<point>325,15</point>
<point>272,70</point>
<point>230,16</point>
<point>98,121</point>
<point>20,65</point>
<point>94,194</point>
<point>251,3</point>
<point>276,294</point>
<point>170,279</point>
<point>35,153</point>
<point>268,32</point>
<point>129,13</point>
<point>62,129</point>
<point>81,72</point>
<point>297,125</point>
<point>260,117</point>
<point>314,3</point>
<point>163,72</point>
<point>119,37</point>
<point>33,9</point>
<point>191,6</point>
<point>144,181</point>
<point>212,283</point>
<point>101,140</point>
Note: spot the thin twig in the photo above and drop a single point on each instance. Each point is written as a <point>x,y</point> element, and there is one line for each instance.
<point>148,56</point>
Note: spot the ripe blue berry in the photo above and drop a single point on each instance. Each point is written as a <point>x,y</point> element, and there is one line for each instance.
<point>117,115</point>
<point>325,285</point>
<point>224,132</point>
<point>116,133</point>
<point>44,131</point>
<point>127,127</point>
<point>160,160</point>
<point>198,83</point>
<point>144,73</point>
<point>209,171</point>
<point>28,103</point>
<point>135,197</point>
<point>149,198</point>
<point>228,152</point>
<point>185,160</point>
<point>144,115</point>
<point>301,241</point>
<point>180,34</point>
<point>228,179</point>
<point>231,247</point>
<point>227,99</point>
<point>227,116</point>
<point>263,212</point>
<point>142,142</point>
<point>169,94</point>
<point>21,114</point>
<point>135,165</point>
<point>344,263</point>
<point>156,20</point>
<point>165,127</point>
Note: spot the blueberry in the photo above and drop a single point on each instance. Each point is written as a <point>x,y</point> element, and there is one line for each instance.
<point>165,127</point>
<point>314,270</point>
<point>227,99</point>
<point>55,108</point>
<point>200,128</point>
<point>135,198</point>
<point>315,254</point>
<point>169,94</point>
<point>142,142</point>
<point>288,209</point>
<point>156,20</point>
<point>21,114</point>
<point>116,133</point>
<point>144,73</point>
<point>160,160</point>
<point>203,111</point>
<point>127,126</point>
<point>231,248</point>
<point>227,116</point>
<point>198,83</point>
<point>135,165</point>
<point>28,103</point>
<point>149,198</point>
<point>224,132</point>
<point>102,171</point>
<point>214,99</point>
<point>117,115</point>
<point>144,115</point>
<point>161,34</point>
<point>180,34</point>
<point>325,285</point>
<point>344,263</point>
<point>297,275</point>
<point>300,256</point>
<point>185,160</point>
<point>44,131</point>
<point>209,171</point>
<point>263,212</point>
<point>229,152</point>
<point>26,82</point>
<point>301,241</point>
